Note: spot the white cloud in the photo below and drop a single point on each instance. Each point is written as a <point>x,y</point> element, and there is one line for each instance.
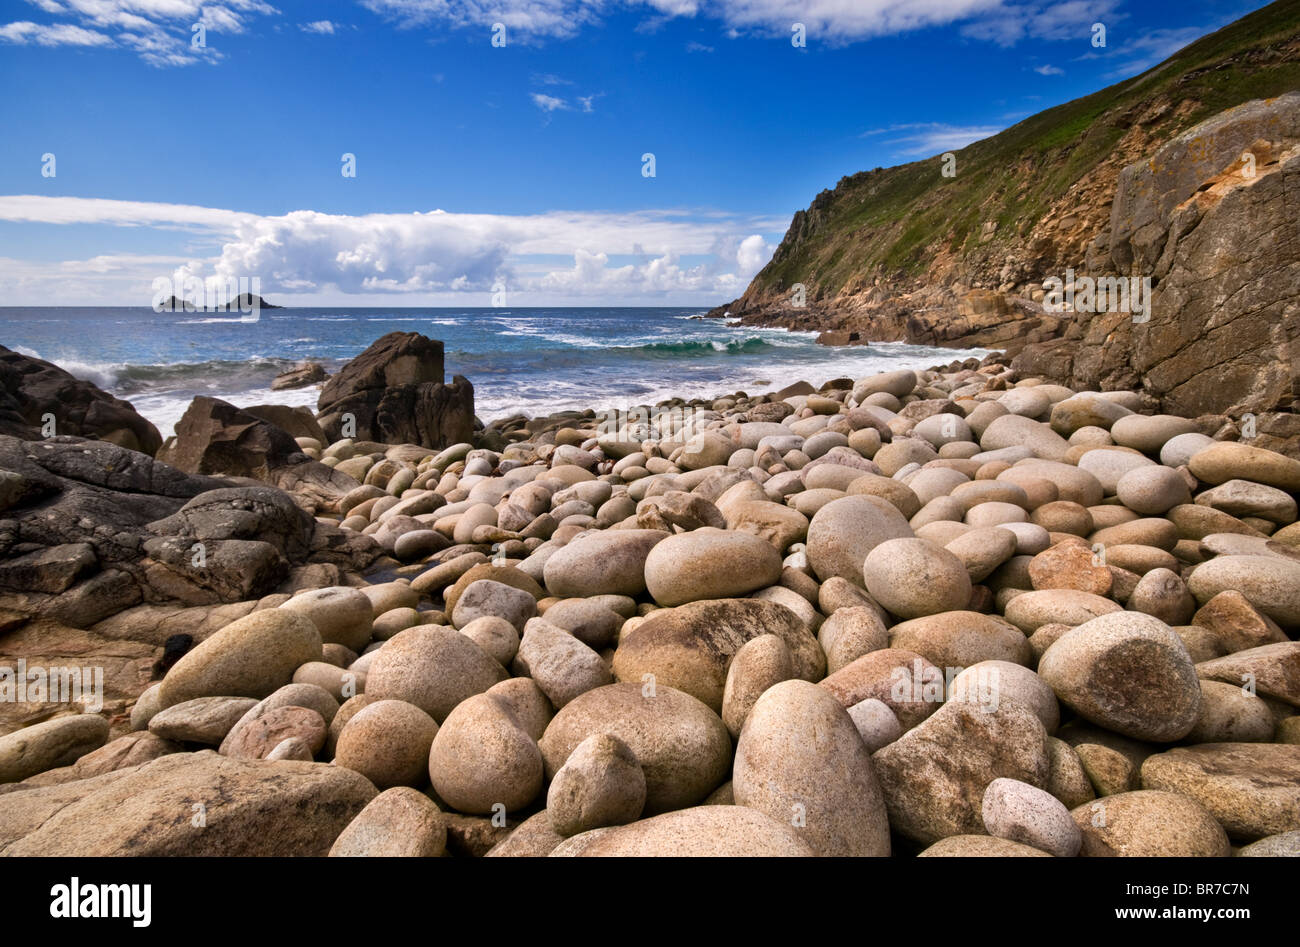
<point>548,103</point>
<point>158,31</point>
<point>1049,70</point>
<point>1058,22</point>
<point>417,254</point>
<point>324,27</point>
<point>26,33</point>
<point>927,138</point>
<point>1139,53</point>
<point>33,208</point>
<point>832,21</point>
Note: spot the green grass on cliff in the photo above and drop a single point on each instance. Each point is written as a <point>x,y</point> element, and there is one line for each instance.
<point>891,222</point>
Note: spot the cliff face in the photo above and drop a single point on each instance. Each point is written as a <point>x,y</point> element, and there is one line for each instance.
<point>1223,252</point>
<point>905,253</point>
<point>1184,176</point>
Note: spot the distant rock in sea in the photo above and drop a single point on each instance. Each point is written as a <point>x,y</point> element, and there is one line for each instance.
<point>243,302</point>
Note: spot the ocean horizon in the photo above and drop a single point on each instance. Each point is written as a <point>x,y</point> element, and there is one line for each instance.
<point>529,360</point>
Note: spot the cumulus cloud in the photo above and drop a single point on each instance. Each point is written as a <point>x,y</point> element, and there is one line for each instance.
<point>307,252</point>
<point>159,31</point>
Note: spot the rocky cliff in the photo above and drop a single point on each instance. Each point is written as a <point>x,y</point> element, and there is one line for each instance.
<point>1182,175</point>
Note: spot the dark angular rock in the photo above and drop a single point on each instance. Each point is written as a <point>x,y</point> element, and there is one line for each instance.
<point>394,391</point>
<point>31,388</point>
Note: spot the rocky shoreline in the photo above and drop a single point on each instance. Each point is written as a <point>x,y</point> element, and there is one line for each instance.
<point>961,611</point>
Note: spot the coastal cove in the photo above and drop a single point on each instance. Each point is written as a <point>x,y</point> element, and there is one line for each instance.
<point>520,360</point>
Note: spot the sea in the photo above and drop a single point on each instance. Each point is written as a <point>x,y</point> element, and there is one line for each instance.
<point>530,361</point>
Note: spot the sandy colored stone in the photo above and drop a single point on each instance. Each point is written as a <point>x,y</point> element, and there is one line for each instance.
<point>1231,714</point>
<point>255,739</point>
<point>710,564</point>
<point>849,633</point>
<point>1269,583</point>
<point>1272,670</point>
<point>1228,460</point>
<point>387,741</point>
<point>934,775</point>
<point>1057,606</point>
<point>1023,813</point>
<point>1127,672</point>
<point>759,664</point>
<point>701,832</point>
<point>683,746</point>
<point>204,720</point>
<point>1145,824</point>
<point>342,615</point>
<point>912,578</point>
<point>60,741</point>
<point>600,784</point>
<point>432,667</point>
<point>690,647</point>
<point>990,682</point>
<point>398,823</point>
<point>608,562</point>
<point>800,758</point>
<point>1252,789</point>
<point>844,531</point>
<point>1067,779</point>
<point>1070,565</point>
<point>907,683</point>
<point>980,846</point>
<point>1162,594</point>
<point>481,757</point>
<point>250,657</point>
<point>250,808</point>
<point>562,666</point>
<point>958,639</point>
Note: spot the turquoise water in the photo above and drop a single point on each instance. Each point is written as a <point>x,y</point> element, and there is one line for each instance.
<point>520,360</point>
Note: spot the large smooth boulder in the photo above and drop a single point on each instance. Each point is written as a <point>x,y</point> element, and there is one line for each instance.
<point>250,657</point>
<point>1252,789</point>
<point>682,746</point>
<point>433,667</point>
<point>605,562</point>
<point>800,759</point>
<point>701,832</point>
<point>1127,672</point>
<point>935,774</point>
<point>247,807</point>
<point>844,531</point>
<point>52,743</point>
<point>710,563</point>
<point>690,647</point>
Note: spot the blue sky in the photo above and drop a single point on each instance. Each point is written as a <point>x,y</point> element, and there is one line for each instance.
<point>224,160</point>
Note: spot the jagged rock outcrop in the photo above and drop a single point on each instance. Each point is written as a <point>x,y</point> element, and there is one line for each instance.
<point>393,392</point>
<point>32,389</point>
<point>215,437</point>
<point>299,421</point>
<point>1218,234</point>
<point>99,545</point>
<point>300,376</point>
